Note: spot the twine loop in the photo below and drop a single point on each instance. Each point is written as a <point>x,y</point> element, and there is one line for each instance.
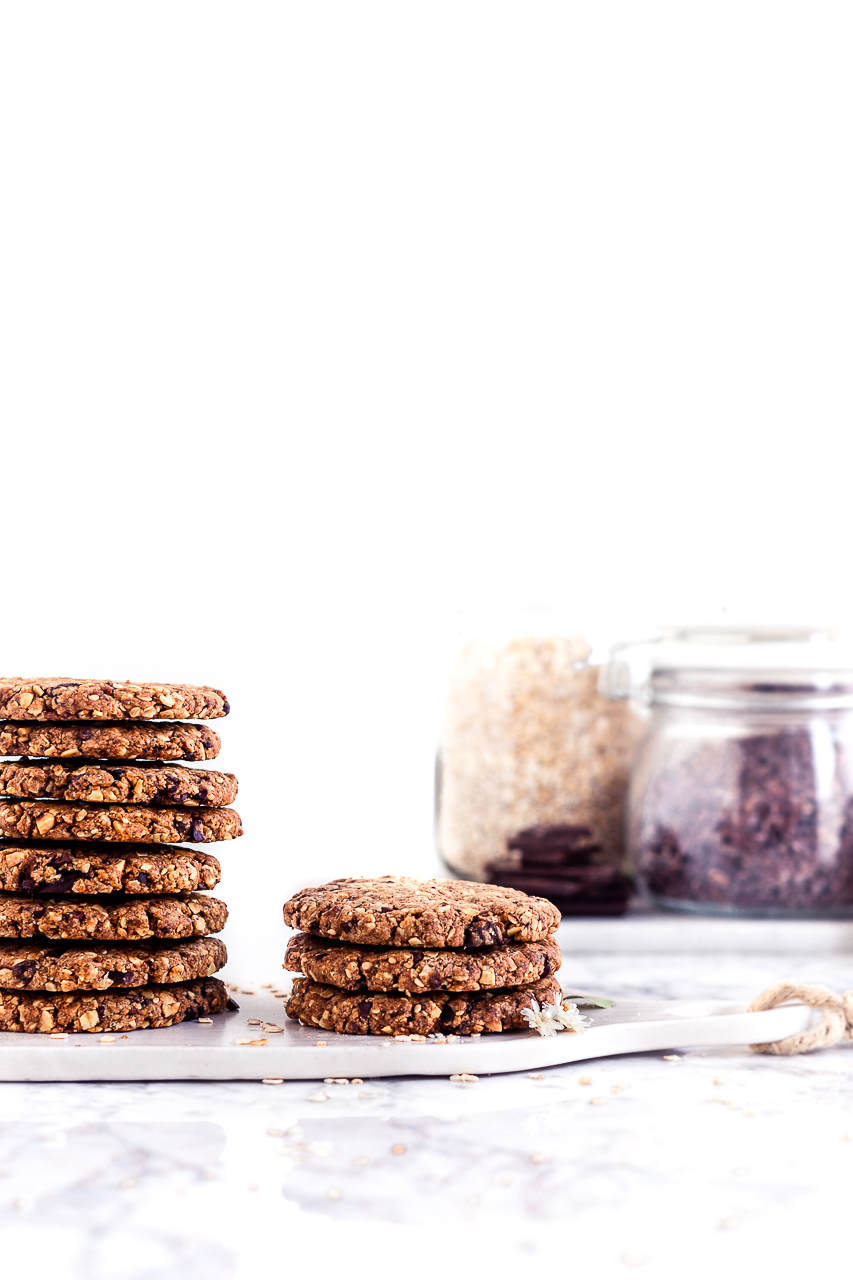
<point>836,1025</point>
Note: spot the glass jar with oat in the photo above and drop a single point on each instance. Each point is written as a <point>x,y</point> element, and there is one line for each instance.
<point>533,765</point>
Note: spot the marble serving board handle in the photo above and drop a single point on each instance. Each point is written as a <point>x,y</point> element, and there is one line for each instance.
<point>208,1052</point>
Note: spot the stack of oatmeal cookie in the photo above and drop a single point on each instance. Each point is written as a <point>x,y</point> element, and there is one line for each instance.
<point>397,956</point>
<point>101,924</point>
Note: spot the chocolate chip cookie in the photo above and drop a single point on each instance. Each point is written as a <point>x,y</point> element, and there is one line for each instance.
<point>353,968</point>
<point>96,741</point>
<point>39,867</point>
<point>132,1010</point>
<point>70,698</point>
<point>110,920</point>
<point>363,1013</point>
<point>96,780</point>
<point>400,911</point>
<point>54,820</point>
<point>62,967</point>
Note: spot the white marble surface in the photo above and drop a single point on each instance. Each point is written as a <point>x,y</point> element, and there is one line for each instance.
<point>720,1160</point>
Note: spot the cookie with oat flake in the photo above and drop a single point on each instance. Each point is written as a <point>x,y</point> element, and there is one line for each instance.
<point>101,740</point>
<point>41,867</point>
<point>100,780</point>
<point>133,1010</point>
<point>55,820</point>
<point>71,698</point>
<point>402,911</point>
<point>352,967</point>
<point>61,966</point>
<point>110,920</point>
<point>363,1013</point>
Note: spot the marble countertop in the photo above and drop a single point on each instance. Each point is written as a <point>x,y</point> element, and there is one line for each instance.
<point>720,1158</point>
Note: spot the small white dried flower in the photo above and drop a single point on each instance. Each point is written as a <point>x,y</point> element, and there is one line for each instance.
<point>568,1016</point>
<point>548,1019</point>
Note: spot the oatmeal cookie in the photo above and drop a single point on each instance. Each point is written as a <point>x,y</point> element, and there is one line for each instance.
<point>110,920</point>
<point>72,698</point>
<point>132,1010</point>
<point>401,911</point>
<point>354,968</point>
<point>362,1013</point>
<point>40,867</point>
<point>62,967</point>
<point>53,820</point>
<point>97,780</point>
<point>142,740</point>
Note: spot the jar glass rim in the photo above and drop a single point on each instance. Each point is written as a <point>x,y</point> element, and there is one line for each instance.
<point>762,665</point>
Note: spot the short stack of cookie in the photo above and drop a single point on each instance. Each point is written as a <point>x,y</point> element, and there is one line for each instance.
<point>102,925</point>
<point>399,956</point>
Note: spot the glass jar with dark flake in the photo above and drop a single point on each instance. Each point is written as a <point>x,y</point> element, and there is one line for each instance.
<point>741,797</point>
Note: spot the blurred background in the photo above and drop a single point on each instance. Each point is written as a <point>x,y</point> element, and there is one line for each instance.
<point>322,323</point>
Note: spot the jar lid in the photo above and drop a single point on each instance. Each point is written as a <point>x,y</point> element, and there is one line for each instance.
<point>736,665</point>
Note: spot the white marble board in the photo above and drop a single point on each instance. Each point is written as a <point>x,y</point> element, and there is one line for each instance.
<point>200,1052</point>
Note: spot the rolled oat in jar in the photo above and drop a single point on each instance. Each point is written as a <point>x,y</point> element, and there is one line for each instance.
<point>530,742</point>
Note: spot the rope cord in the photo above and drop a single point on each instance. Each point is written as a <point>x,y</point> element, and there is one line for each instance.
<point>836,1026</point>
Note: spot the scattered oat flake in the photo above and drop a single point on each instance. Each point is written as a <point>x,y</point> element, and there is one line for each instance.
<point>244,1040</point>
<point>335,1193</point>
<point>398,1149</point>
<point>464,1077</point>
<point>535,1075</point>
<point>321,1044</point>
<point>596,1102</point>
<point>318,1097</point>
<point>59,1035</point>
<point>106,1039</point>
<point>361,1161</point>
<point>584,1079</point>
<point>206,1022</point>
<point>356,1080</point>
<point>336,1080</point>
<point>246,991</point>
<point>672,1057</point>
<point>271,1028</point>
<point>272,1080</point>
<point>537,1158</point>
<point>253,1022</point>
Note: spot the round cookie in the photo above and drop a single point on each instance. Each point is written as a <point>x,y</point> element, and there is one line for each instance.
<point>61,967</point>
<point>362,1013</point>
<point>401,911</point>
<point>132,1010</point>
<point>102,741</point>
<point>97,781</point>
<point>54,820</point>
<point>41,867</point>
<point>110,920</point>
<point>354,968</point>
<point>70,698</point>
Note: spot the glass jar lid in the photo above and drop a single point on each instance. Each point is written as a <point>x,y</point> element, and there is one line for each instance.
<point>736,666</point>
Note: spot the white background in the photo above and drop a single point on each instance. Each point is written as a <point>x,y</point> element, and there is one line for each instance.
<point>322,320</point>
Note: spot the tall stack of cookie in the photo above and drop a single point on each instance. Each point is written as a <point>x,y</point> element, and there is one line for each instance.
<point>397,956</point>
<point>102,927</point>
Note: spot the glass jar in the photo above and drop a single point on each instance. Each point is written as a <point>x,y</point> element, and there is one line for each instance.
<point>741,798</point>
<point>529,741</point>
